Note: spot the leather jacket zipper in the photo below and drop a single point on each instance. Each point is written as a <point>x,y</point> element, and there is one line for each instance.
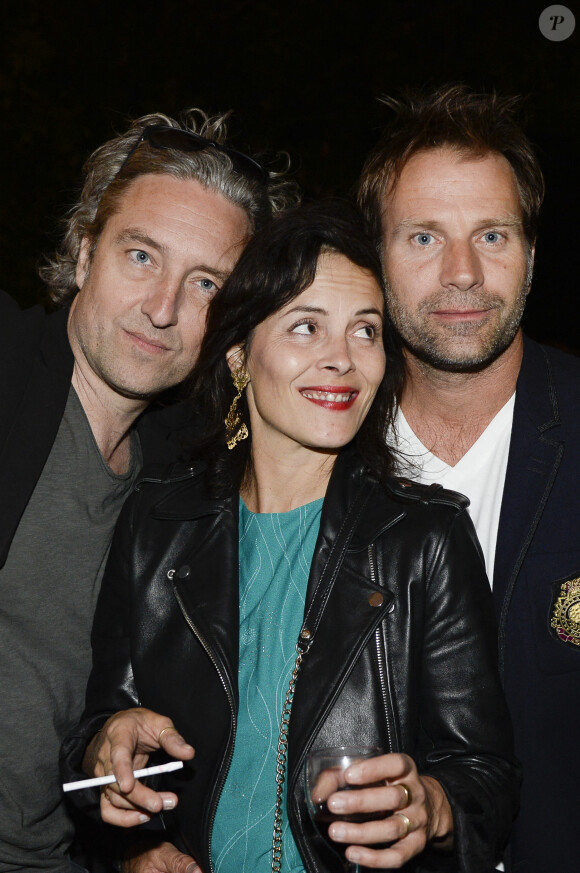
<point>381,662</point>
<point>224,770</point>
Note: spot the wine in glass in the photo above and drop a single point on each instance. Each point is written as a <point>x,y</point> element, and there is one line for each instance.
<point>324,774</point>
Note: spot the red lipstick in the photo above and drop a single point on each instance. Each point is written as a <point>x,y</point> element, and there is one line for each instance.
<point>334,397</point>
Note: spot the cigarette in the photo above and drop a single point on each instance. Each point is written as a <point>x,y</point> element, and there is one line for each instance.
<point>107,780</point>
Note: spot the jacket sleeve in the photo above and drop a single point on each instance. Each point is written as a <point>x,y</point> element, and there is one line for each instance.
<point>465,727</point>
<point>111,687</point>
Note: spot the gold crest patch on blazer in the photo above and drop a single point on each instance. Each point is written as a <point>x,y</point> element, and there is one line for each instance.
<point>566,612</point>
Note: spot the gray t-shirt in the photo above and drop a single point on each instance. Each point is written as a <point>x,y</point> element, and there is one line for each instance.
<point>48,591</point>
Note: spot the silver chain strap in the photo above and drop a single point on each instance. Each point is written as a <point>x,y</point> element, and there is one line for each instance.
<point>305,640</point>
<point>281,757</point>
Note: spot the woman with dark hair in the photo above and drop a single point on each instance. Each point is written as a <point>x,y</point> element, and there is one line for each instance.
<point>284,593</point>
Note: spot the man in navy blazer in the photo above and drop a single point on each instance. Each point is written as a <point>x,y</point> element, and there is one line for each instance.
<point>453,193</point>
<point>163,216</point>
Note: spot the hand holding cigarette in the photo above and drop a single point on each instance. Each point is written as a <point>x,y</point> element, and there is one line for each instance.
<point>122,747</point>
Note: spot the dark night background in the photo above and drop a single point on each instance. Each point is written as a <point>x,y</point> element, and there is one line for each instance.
<point>301,76</point>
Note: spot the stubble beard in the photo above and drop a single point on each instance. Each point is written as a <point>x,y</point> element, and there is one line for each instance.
<point>124,374</point>
<point>446,346</point>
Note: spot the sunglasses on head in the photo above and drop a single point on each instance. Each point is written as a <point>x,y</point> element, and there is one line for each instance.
<point>161,136</point>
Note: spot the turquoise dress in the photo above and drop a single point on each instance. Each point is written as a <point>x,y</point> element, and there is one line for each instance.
<point>275,552</point>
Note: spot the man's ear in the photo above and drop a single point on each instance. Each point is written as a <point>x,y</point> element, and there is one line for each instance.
<point>236,357</point>
<point>83,262</point>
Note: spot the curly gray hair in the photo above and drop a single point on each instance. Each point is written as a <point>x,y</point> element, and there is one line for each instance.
<point>114,165</point>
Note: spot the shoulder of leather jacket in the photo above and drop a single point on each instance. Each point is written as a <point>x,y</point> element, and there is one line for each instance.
<point>164,474</point>
<point>177,491</point>
<point>434,493</point>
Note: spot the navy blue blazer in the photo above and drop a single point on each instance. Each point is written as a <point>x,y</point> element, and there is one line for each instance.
<point>537,560</point>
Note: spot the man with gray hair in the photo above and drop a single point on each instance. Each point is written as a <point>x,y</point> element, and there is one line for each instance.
<point>453,192</point>
<point>164,213</point>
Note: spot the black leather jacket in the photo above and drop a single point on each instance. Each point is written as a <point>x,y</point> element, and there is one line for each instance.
<point>399,650</point>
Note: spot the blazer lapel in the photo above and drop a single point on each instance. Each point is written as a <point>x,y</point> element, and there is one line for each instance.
<point>34,426</point>
<point>534,457</point>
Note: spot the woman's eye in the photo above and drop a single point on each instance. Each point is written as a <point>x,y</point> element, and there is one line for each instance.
<point>207,285</point>
<point>367,332</point>
<point>424,239</point>
<point>305,327</point>
<point>492,236</point>
<point>140,256</point>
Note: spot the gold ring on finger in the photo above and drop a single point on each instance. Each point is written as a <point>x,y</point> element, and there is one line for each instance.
<point>407,823</point>
<point>408,796</point>
<point>168,727</point>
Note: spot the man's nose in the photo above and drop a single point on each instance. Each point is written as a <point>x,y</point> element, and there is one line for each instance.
<point>461,266</point>
<point>162,302</point>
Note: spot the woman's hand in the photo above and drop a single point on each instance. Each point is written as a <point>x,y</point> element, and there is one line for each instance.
<point>416,811</point>
<point>124,744</point>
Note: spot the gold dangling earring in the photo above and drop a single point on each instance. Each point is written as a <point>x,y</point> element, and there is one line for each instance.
<point>236,429</point>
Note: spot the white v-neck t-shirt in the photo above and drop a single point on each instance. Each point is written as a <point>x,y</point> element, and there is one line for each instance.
<point>479,474</point>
